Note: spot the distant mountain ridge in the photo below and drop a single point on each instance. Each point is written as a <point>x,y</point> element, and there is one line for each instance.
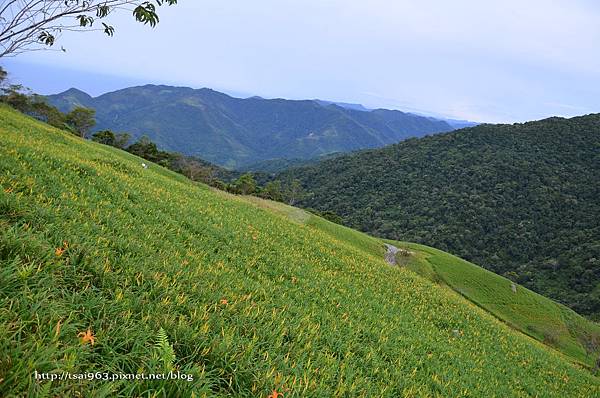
<point>234,132</point>
<point>458,123</point>
<point>455,123</point>
<point>347,105</point>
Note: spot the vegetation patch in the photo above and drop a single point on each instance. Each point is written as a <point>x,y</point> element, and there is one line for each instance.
<point>144,272</point>
<point>520,200</point>
<point>533,314</point>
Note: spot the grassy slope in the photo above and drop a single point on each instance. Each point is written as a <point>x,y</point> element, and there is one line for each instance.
<point>525,310</point>
<point>251,301</point>
<point>343,235</point>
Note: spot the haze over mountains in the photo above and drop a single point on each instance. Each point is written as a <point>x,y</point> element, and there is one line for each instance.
<point>235,132</point>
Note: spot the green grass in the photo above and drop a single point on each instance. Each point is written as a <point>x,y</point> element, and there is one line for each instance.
<point>342,234</point>
<point>168,274</point>
<point>527,311</point>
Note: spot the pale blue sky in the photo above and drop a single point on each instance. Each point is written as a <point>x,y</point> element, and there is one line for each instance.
<point>499,61</point>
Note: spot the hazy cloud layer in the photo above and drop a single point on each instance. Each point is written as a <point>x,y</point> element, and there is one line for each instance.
<point>500,62</point>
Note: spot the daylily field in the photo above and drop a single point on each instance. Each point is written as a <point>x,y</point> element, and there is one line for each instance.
<point>109,267</point>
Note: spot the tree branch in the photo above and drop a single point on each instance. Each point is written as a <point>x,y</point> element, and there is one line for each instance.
<point>26,24</point>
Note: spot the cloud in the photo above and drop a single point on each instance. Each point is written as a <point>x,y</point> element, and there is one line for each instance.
<point>492,61</point>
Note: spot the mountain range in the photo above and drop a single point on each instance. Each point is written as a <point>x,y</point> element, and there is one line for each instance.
<point>520,200</point>
<point>236,132</point>
<point>515,199</point>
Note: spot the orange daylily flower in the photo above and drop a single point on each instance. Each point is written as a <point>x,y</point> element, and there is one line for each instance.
<point>87,337</point>
<point>275,394</point>
<point>57,329</point>
<point>60,250</point>
<point>224,301</point>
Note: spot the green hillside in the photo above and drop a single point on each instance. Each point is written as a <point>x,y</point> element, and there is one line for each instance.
<point>527,311</point>
<point>232,132</point>
<point>247,296</point>
<point>520,200</point>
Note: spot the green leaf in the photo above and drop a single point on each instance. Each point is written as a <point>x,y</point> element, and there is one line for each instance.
<point>46,38</point>
<point>146,14</point>
<point>109,30</point>
<point>102,11</point>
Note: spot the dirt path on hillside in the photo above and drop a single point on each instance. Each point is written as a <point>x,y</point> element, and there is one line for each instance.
<point>390,255</point>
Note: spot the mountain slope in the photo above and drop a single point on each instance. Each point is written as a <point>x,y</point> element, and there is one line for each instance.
<point>234,132</point>
<point>520,200</point>
<point>245,297</point>
<point>529,312</point>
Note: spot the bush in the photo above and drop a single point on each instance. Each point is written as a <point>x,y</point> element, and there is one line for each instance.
<point>81,120</point>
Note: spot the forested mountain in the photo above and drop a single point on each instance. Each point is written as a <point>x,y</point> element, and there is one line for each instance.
<point>273,166</point>
<point>234,132</point>
<point>522,200</point>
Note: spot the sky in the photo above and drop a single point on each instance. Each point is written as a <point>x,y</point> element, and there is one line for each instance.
<point>498,62</point>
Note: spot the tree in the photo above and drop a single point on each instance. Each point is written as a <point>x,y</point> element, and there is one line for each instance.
<point>272,190</point>
<point>147,149</point>
<point>108,137</point>
<point>105,137</point>
<point>81,120</point>
<point>16,96</point>
<point>144,148</point>
<point>331,216</point>
<point>45,112</point>
<point>121,140</point>
<point>245,184</point>
<point>294,192</point>
<point>196,171</point>
<point>33,105</point>
<point>28,25</point>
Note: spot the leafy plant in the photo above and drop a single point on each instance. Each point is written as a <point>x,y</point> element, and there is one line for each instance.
<point>165,350</point>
